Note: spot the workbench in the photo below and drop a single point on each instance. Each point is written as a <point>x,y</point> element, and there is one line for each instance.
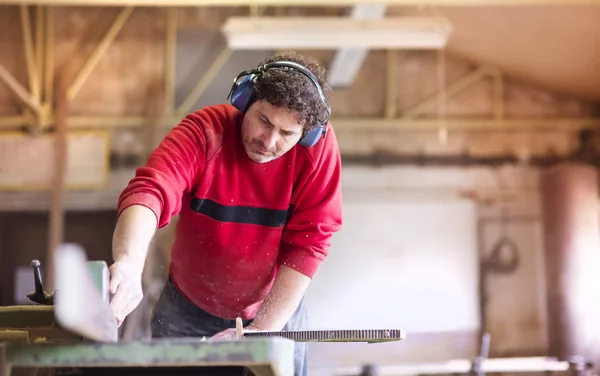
<point>253,356</point>
<point>74,332</point>
<point>32,337</point>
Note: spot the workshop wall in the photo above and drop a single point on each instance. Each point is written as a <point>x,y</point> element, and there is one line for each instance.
<point>408,257</point>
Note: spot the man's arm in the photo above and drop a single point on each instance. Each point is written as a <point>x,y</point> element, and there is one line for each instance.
<point>149,202</point>
<point>287,292</point>
<point>306,238</point>
<point>134,231</point>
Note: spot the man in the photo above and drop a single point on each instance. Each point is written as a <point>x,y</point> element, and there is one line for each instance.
<point>256,184</point>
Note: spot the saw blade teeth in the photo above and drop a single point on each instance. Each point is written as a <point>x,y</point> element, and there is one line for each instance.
<point>348,335</point>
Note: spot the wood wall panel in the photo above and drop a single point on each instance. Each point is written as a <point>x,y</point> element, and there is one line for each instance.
<point>134,62</point>
<point>367,96</point>
<point>417,76</point>
<point>12,56</point>
<point>523,99</point>
<point>27,163</point>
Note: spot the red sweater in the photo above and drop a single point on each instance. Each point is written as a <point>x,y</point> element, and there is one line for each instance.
<point>238,219</point>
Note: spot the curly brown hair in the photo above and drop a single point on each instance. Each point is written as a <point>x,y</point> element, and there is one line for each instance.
<point>293,90</point>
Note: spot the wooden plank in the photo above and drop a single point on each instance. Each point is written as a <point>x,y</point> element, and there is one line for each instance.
<point>29,323</point>
<point>27,317</point>
<point>27,162</point>
<point>99,51</point>
<point>14,336</point>
<point>325,33</point>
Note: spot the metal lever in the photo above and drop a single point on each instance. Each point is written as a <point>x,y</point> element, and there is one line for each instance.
<point>39,296</point>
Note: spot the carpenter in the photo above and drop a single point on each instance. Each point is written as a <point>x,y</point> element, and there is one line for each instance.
<point>256,186</point>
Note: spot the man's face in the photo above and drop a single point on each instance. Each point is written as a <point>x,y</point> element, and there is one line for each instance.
<point>269,132</point>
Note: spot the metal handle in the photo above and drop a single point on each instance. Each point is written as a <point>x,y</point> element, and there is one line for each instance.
<point>39,296</point>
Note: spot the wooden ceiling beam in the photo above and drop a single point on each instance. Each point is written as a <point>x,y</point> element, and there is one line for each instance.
<point>305,3</point>
<point>353,124</point>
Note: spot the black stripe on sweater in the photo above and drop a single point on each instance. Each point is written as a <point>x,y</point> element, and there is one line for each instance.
<point>241,214</point>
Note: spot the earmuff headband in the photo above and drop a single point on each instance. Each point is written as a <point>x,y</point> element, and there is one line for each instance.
<point>242,94</point>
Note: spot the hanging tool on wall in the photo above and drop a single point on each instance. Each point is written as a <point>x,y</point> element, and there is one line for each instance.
<point>504,256</point>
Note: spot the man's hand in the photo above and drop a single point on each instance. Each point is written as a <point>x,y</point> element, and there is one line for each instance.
<point>126,287</point>
<point>286,293</point>
<point>231,334</point>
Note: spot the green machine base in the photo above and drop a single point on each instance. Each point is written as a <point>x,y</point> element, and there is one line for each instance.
<point>256,356</point>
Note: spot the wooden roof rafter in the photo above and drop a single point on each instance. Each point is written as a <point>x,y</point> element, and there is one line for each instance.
<point>41,115</point>
<point>391,120</point>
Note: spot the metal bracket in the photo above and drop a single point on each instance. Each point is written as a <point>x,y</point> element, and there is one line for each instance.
<point>476,364</point>
<point>579,366</point>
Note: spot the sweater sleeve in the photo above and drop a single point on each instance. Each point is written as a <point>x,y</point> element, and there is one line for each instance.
<point>316,215</point>
<point>170,171</point>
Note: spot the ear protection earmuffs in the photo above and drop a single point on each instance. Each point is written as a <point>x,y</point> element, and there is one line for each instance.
<point>242,94</point>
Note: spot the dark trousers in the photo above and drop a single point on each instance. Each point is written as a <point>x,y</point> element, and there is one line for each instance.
<point>175,316</point>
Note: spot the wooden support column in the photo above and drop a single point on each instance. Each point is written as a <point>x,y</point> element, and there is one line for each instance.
<point>572,247</point>
<point>57,200</point>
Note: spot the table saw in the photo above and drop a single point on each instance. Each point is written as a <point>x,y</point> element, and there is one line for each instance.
<point>72,331</point>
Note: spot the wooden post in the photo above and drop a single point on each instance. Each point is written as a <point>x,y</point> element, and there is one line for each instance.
<point>5,365</point>
<point>572,244</point>
<point>56,225</point>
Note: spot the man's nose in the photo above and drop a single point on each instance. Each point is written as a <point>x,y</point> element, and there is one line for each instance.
<point>270,139</point>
